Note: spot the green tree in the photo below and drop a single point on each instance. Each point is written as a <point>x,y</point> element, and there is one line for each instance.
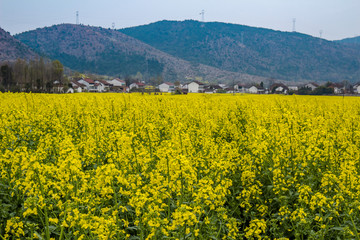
<point>20,72</point>
<point>156,81</point>
<point>138,76</point>
<point>6,76</point>
<point>58,70</point>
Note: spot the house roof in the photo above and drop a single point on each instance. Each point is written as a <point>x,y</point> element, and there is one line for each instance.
<point>76,83</point>
<point>336,85</point>
<point>88,80</point>
<point>118,79</point>
<point>214,86</point>
<point>276,85</point>
<point>104,82</point>
<point>200,83</point>
<point>73,82</point>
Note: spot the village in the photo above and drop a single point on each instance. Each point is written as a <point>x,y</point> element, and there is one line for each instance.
<point>119,85</point>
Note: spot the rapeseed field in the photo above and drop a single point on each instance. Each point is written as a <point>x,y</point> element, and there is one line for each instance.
<point>128,166</point>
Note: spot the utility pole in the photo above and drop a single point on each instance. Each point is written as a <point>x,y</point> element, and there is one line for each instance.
<point>202,15</point>
<point>294,23</point>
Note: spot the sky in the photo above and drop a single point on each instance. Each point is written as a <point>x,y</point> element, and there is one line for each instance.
<point>335,19</point>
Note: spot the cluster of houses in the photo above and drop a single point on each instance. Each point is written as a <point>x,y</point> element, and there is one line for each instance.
<point>114,85</point>
<point>276,88</point>
<point>118,85</point>
<point>89,85</point>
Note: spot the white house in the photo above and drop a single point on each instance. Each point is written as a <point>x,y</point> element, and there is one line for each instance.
<point>166,87</point>
<point>58,88</point>
<point>90,84</point>
<point>223,86</point>
<point>293,88</point>
<point>253,89</point>
<point>339,89</point>
<point>103,86</point>
<point>356,88</point>
<point>77,87</point>
<point>117,84</point>
<point>137,85</point>
<point>70,90</point>
<point>279,88</point>
<point>239,88</point>
<point>312,86</point>
<point>195,87</point>
<point>100,87</point>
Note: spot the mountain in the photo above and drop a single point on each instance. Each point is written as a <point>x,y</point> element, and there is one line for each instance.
<point>12,49</point>
<point>180,50</point>
<point>355,40</point>
<point>109,52</point>
<point>255,51</point>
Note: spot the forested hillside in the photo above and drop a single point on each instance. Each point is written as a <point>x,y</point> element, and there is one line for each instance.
<point>257,51</point>
<point>11,48</point>
<point>109,52</point>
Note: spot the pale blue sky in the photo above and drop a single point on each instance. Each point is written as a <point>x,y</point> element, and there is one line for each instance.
<point>336,18</point>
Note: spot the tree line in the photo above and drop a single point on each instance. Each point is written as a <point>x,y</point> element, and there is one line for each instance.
<point>37,75</point>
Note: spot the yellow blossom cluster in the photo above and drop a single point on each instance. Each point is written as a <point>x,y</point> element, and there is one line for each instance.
<point>131,166</point>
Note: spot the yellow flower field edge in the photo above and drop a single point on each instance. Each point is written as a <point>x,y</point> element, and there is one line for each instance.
<point>128,166</point>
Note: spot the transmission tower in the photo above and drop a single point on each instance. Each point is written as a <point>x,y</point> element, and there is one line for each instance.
<point>294,23</point>
<point>113,26</point>
<point>77,17</point>
<point>202,15</point>
<point>321,32</point>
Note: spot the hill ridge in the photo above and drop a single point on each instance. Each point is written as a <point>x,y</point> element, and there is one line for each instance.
<point>12,49</point>
<point>87,48</point>
<point>252,50</point>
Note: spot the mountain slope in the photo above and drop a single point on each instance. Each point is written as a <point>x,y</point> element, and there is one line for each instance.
<point>350,42</point>
<point>105,51</point>
<point>354,40</point>
<point>257,51</point>
<point>12,49</point>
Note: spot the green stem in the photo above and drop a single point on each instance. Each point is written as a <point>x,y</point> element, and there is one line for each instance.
<point>32,232</point>
<point>168,186</point>
<point>352,221</point>
<point>47,232</point>
<point>61,233</point>
<point>218,234</point>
